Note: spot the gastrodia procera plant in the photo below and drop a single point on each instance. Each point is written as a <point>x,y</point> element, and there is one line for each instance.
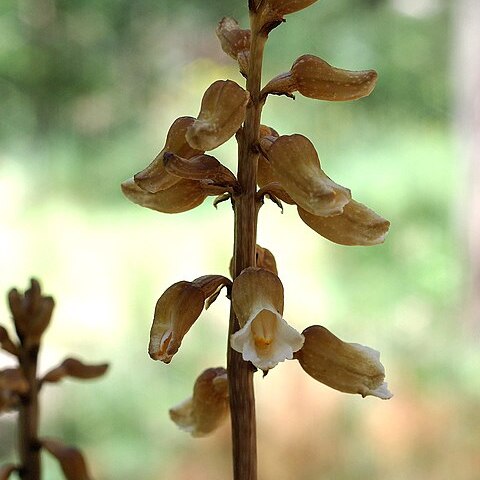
<point>280,166</point>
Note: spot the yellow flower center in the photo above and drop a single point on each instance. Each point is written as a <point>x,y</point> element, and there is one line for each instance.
<point>263,329</point>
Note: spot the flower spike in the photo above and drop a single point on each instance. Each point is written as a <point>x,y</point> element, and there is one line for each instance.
<point>264,338</point>
<point>315,78</point>
<point>347,367</point>
<point>207,409</point>
<point>222,113</point>
<point>154,178</point>
<point>295,164</point>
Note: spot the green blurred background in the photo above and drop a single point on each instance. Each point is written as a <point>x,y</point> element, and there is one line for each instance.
<point>88,90</point>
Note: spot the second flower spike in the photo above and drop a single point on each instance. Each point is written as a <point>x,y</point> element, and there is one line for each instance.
<point>264,337</point>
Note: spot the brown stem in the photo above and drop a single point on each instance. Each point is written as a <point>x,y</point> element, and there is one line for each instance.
<point>29,447</point>
<point>240,373</point>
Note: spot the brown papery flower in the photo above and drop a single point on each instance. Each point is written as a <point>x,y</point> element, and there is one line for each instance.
<point>177,310</point>
<point>154,178</point>
<point>315,78</point>
<point>208,408</point>
<point>183,196</point>
<point>296,165</point>
<point>273,11</point>
<point>221,114</point>
<point>356,225</point>
<point>347,367</point>
<point>235,41</point>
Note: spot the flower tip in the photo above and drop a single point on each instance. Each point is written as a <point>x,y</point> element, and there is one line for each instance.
<point>128,186</point>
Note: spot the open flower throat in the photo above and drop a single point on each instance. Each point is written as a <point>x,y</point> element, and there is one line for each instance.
<point>280,167</point>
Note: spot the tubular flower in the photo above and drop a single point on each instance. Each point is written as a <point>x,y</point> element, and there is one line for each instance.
<point>177,310</point>
<point>296,165</point>
<point>201,167</point>
<point>154,178</point>
<point>235,42</point>
<point>207,409</point>
<point>221,114</point>
<point>347,367</point>
<point>264,338</point>
<point>273,11</point>
<point>314,78</point>
<point>184,195</point>
<point>355,225</point>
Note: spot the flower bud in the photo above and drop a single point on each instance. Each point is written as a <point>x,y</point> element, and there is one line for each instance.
<point>295,164</point>
<point>347,367</point>
<point>314,78</point>
<point>264,259</point>
<point>71,367</point>
<point>356,225</point>
<point>184,195</point>
<point>31,312</point>
<point>208,408</point>
<point>235,42</point>
<point>154,178</point>
<point>221,115</point>
<point>285,7</point>
<point>264,337</point>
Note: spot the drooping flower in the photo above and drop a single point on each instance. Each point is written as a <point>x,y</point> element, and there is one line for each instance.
<point>221,114</point>
<point>74,368</point>
<point>264,337</point>
<point>314,78</point>
<point>184,195</point>
<point>208,408</point>
<point>235,41</point>
<point>272,11</point>
<point>347,367</point>
<point>356,224</point>
<point>154,177</point>
<point>177,310</point>
<point>296,165</point>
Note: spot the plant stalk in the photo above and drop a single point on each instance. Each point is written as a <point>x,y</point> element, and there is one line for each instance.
<point>240,373</point>
<point>29,446</point>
